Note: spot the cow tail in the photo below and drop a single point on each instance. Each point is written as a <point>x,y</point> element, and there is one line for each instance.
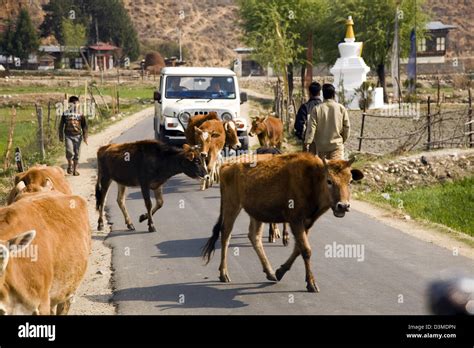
<point>210,246</point>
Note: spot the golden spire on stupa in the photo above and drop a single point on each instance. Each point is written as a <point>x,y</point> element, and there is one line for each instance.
<point>350,37</point>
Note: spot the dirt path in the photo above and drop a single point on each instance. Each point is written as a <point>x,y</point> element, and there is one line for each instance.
<point>95,293</point>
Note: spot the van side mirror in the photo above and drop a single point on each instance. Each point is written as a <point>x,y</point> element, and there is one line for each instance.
<point>157,96</point>
<point>243,97</point>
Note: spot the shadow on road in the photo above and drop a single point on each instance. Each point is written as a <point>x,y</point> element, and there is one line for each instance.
<point>120,233</point>
<point>180,248</point>
<point>191,295</point>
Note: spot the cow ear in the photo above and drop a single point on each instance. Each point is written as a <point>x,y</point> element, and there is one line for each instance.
<point>226,126</point>
<point>357,174</point>
<point>326,165</point>
<point>4,256</point>
<point>186,147</point>
<point>21,241</point>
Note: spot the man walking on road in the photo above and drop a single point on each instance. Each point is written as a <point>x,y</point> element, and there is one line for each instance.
<point>328,126</point>
<point>73,129</point>
<point>305,109</point>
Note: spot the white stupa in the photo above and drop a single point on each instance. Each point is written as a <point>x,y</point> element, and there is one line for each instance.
<point>350,70</point>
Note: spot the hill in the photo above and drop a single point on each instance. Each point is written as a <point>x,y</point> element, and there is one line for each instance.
<point>210,27</point>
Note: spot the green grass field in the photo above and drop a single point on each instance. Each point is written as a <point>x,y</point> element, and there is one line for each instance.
<point>133,92</point>
<point>450,204</point>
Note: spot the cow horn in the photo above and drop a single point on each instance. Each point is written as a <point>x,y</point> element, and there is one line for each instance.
<point>352,160</point>
<point>49,184</point>
<point>20,186</point>
<point>265,118</point>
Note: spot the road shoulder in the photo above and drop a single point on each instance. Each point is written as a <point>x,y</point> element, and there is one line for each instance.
<point>94,296</point>
<point>443,237</point>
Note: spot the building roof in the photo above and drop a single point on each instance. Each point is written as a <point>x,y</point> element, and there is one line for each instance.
<point>436,25</point>
<point>195,71</point>
<point>101,46</point>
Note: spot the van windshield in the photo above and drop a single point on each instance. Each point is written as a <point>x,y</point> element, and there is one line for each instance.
<point>200,87</point>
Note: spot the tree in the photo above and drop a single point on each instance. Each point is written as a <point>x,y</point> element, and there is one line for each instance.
<point>6,42</point>
<point>25,38</point>
<point>56,12</point>
<point>267,26</point>
<point>374,26</point>
<point>283,32</point>
<point>74,34</point>
<point>109,17</point>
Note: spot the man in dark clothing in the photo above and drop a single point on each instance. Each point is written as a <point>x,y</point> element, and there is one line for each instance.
<point>305,110</point>
<point>73,129</point>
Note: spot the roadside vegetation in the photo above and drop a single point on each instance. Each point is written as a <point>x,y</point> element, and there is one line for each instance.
<point>447,204</point>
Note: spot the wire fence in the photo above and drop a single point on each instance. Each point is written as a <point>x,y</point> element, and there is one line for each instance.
<point>433,129</point>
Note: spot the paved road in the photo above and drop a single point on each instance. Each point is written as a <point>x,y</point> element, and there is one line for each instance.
<point>162,273</point>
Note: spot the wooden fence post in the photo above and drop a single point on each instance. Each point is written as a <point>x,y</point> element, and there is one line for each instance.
<point>362,130</point>
<point>118,101</point>
<point>6,164</point>
<point>19,160</point>
<point>428,145</point>
<point>469,117</point>
<point>39,114</point>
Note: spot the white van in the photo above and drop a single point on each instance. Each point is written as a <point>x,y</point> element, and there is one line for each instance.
<point>188,91</point>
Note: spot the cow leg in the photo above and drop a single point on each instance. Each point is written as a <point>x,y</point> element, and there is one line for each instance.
<point>280,272</point>
<point>230,214</point>
<point>121,203</point>
<point>158,203</point>
<point>301,238</point>
<point>104,188</point>
<point>255,236</point>
<point>63,307</point>
<point>286,235</point>
<point>273,233</point>
<point>204,182</point>
<point>146,197</point>
<point>45,306</point>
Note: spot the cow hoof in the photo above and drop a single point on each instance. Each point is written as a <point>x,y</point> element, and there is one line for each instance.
<point>280,272</point>
<point>271,239</point>
<point>131,227</point>
<point>272,277</point>
<point>143,217</point>
<point>312,287</point>
<point>286,240</point>
<point>151,229</point>
<point>224,278</point>
<point>100,227</point>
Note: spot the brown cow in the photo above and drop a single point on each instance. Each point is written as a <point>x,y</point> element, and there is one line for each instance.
<point>42,176</point>
<point>230,128</point>
<point>210,138</point>
<point>264,154</point>
<point>148,164</point>
<point>45,243</point>
<point>297,188</point>
<point>269,131</point>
